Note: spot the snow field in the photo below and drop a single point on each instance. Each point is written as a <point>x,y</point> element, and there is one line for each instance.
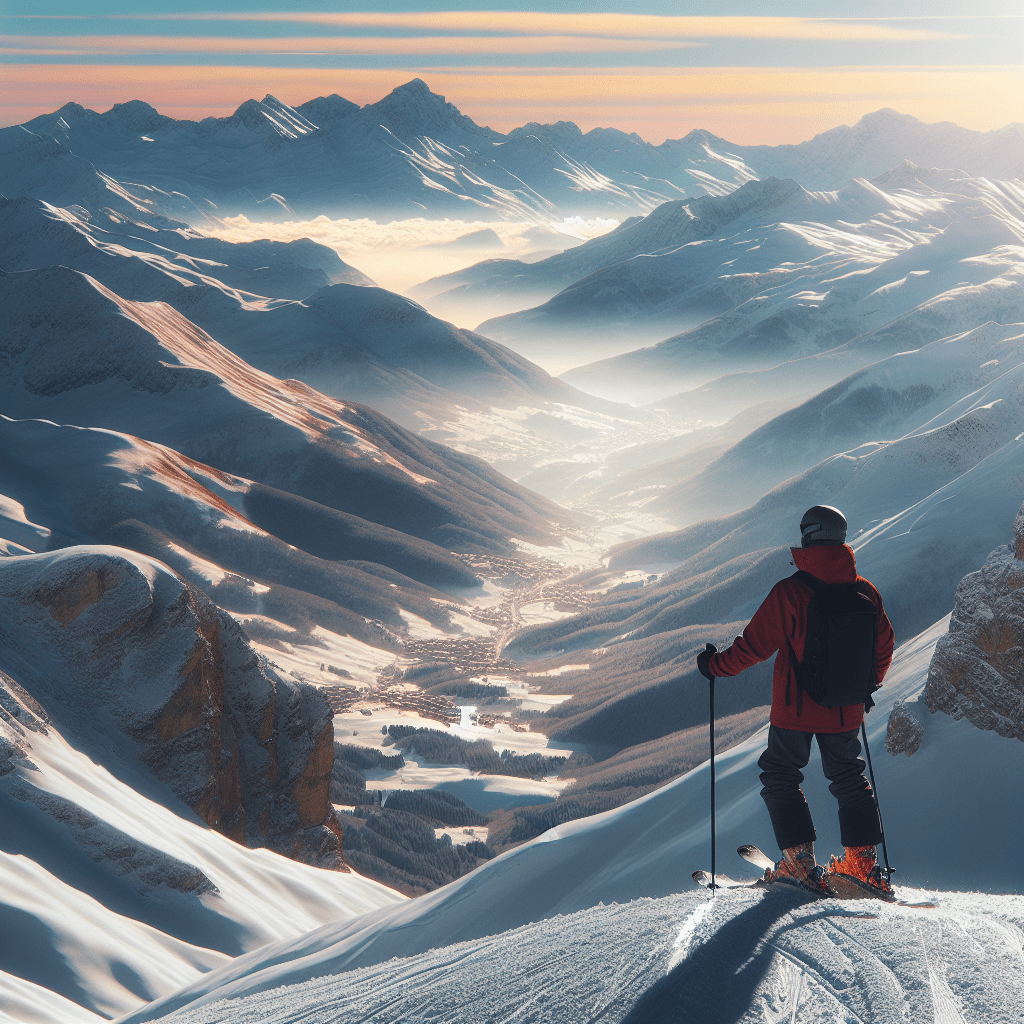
<point>742,957</point>
<point>59,884</point>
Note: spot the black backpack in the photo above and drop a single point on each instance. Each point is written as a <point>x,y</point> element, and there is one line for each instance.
<point>838,666</point>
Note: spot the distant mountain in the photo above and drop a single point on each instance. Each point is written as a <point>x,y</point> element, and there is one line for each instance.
<point>144,369</point>
<point>412,151</point>
<point>885,139</point>
<point>347,337</point>
<point>877,271</point>
<point>882,401</point>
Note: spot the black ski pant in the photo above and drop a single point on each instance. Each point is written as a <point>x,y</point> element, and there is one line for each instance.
<point>788,752</point>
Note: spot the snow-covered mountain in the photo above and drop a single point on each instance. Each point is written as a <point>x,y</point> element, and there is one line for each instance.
<point>412,151</point>
<point>873,270</point>
<point>907,502</point>
<point>131,664</point>
<point>133,717</point>
<point>755,277</point>
<point>884,400</point>
<point>346,338</point>
<point>597,913</point>
<point>133,363</point>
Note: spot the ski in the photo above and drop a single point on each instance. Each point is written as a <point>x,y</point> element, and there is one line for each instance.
<point>721,881</point>
<point>754,856</point>
<point>725,882</point>
<point>843,886</point>
<point>846,887</point>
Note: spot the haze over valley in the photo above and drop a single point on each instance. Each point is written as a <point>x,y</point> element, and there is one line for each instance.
<point>371,478</point>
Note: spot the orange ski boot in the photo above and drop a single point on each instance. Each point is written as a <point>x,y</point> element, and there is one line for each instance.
<point>798,867</point>
<point>859,864</point>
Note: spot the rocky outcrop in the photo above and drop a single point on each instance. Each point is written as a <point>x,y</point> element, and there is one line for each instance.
<point>904,732</point>
<point>977,671</point>
<point>115,646</point>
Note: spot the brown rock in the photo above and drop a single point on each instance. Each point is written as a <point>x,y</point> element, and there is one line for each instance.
<point>977,671</point>
<point>127,649</point>
<point>67,597</point>
<point>904,732</point>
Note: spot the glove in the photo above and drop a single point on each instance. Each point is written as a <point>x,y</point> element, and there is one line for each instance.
<point>703,658</point>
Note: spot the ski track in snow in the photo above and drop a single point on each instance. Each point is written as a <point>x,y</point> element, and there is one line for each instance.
<point>738,958</point>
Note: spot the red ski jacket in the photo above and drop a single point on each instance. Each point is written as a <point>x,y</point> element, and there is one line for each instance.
<point>782,617</point>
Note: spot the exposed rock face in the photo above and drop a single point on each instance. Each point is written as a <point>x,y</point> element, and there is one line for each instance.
<point>904,733</point>
<point>977,671</point>
<point>114,645</point>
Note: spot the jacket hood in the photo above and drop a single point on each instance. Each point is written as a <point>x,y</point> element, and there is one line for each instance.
<point>830,563</point>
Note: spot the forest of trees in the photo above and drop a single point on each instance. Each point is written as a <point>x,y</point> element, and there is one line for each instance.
<point>619,779</point>
<point>395,843</point>
<point>400,850</point>
<point>438,747</point>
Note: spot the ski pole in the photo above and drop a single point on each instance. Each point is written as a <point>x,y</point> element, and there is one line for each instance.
<point>712,649</point>
<point>889,872</point>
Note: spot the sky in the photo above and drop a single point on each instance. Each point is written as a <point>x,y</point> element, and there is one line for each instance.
<point>751,72</point>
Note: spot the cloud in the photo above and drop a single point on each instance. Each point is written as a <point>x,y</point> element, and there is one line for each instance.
<point>107,45</point>
<point>618,26</point>
<point>389,252</point>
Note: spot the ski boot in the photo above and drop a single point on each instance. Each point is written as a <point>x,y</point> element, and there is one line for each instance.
<point>798,867</point>
<point>859,864</point>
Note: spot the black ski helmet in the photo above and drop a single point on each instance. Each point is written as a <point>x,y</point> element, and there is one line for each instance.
<point>822,524</point>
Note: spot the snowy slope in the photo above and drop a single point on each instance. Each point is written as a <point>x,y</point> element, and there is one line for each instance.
<point>110,897</point>
<point>746,959</point>
<point>877,268</point>
<point>647,849</point>
<point>412,151</point>
<point>348,338</point>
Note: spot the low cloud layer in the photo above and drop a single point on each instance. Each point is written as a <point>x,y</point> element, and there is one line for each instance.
<point>392,253</point>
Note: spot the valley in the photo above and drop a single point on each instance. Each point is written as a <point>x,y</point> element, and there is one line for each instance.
<point>348,600</point>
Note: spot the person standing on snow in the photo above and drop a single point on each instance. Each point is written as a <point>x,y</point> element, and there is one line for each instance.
<point>781,625</point>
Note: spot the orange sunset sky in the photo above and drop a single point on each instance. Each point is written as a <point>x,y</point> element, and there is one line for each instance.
<point>745,71</point>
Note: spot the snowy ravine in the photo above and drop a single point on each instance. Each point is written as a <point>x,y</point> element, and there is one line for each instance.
<point>529,935</point>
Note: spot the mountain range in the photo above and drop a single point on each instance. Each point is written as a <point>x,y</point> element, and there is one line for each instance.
<point>412,151</point>
<point>248,497</point>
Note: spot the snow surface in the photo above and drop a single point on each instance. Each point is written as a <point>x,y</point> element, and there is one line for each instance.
<point>746,958</point>
<point>142,941</point>
<point>660,951</point>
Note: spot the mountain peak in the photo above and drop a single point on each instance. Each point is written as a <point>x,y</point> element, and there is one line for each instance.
<point>887,117</point>
<point>325,110</point>
<point>72,108</point>
<point>271,114</point>
<point>412,110</point>
<point>135,116</point>
<point>415,87</point>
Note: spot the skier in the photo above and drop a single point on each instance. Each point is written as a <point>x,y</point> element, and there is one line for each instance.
<point>781,625</point>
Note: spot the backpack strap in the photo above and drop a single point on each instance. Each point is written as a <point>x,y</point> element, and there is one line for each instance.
<point>815,584</point>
